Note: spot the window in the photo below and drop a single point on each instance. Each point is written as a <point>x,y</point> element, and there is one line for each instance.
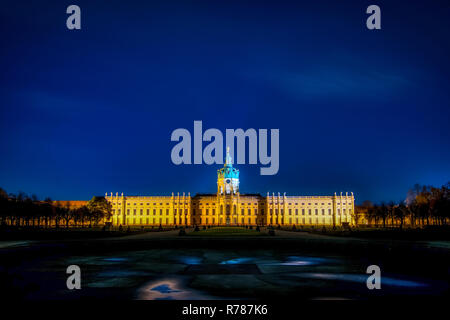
<point>249,212</point>
<point>242,211</point>
<point>296,212</point>
<point>317,212</point>
<point>134,212</point>
<point>141,211</point>
<point>160,211</point>
<point>148,212</point>
<point>303,213</point>
<point>329,212</point>
<point>309,212</point>
<point>154,211</point>
<point>290,211</point>
<point>167,211</point>
<point>323,212</point>
<point>128,211</point>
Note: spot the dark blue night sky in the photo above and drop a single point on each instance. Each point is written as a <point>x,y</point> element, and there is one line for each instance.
<point>91,111</point>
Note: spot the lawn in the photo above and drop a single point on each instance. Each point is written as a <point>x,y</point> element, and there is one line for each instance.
<point>226,231</point>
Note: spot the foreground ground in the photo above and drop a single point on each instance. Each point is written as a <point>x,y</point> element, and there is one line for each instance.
<point>223,264</point>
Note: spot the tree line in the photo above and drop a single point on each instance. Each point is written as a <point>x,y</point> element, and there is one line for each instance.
<point>24,210</point>
<point>423,206</point>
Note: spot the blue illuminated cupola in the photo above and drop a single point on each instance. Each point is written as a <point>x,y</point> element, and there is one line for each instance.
<point>228,177</point>
<point>228,171</point>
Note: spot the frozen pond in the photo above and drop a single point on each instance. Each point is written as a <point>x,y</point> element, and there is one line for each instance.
<point>180,274</point>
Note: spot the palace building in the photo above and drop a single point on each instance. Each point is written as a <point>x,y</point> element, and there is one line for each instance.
<point>230,207</point>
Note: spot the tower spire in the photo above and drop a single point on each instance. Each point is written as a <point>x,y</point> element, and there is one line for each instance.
<point>228,161</point>
<point>228,177</point>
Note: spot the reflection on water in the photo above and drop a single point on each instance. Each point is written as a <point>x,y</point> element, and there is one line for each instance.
<point>176,285</point>
<point>115,259</point>
<point>237,261</point>
<point>164,288</point>
<point>288,261</point>
<point>361,278</point>
<point>122,273</point>
<point>189,260</point>
<point>169,289</point>
<point>302,261</point>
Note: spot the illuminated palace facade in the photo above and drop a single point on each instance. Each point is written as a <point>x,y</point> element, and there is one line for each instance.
<point>229,207</point>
